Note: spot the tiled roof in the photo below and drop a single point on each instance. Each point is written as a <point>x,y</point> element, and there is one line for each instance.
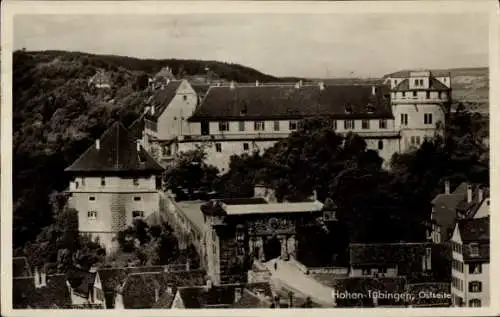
<point>55,294</point>
<point>165,72</point>
<point>439,289</point>
<point>162,98</point>
<point>258,206</point>
<point>406,73</point>
<point>475,230</point>
<point>118,153</point>
<point>137,127</point>
<point>251,300</point>
<point>81,281</point>
<point>224,296</point>
<point>20,267</point>
<point>287,102</point>
<point>165,301</point>
<point>386,254</point>
<point>434,85</point>
<point>201,89</point>
<point>364,285</point>
<point>138,290</point>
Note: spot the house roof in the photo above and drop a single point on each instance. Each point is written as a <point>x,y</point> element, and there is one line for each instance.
<point>137,127</point>
<point>81,281</point>
<point>434,85</point>
<point>111,278</point>
<point>165,72</point>
<point>118,153</point>
<point>385,253</point>
<point>474,229</point>
<point>138,290</point>
<point>200,89</point>
<point>20,267</point>
<point>251,300</point>
<point>364,285</point>
<point>224,295</point>
<point>406,73</point>
<point>250,102</point>
<point>429,288</point>
<point>54,295</point>
<point>259,206</point>
<point>162,97</point>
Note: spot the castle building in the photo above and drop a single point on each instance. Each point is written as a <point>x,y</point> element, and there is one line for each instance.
<point>470,243</point>
<point>420,103</point>
<point>233,119</point>
<point>113,182</point>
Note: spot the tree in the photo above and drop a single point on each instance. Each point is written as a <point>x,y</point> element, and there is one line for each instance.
<point>242,176</point>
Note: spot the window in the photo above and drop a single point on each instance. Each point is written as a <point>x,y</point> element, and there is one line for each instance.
<point>349,124</point>
<point>91,198</point>
<point>276,125</point>
<point>223,126</point>
<point>92,214</point>
<point>428,95</point>
<point>292,125</point>
<point>76,185</point>
<point>475,287</point>
<point>185,97</point>
<point>417,140</point>
<point>475,302</point>
<point>404,94</point>
<point>416,82</point>
<point>333,124</point>
<point>241,125</point>
<point>137,198</point>
<point>136,182</point>
<point>365,124</point>
<point>382,124</point>
<point>348,108</point>
<point>380,145</point>
<point>83,181</point>
<point>218,147</point>
<point>427,118</point>
<point>245,147</point>
<point>103,181</point>
<point>382,270</point>
<point>137,213</point>
<point>440,94</point>
<point>258,125</point>
<point>475,268</point>
<point>474,249</point>
<point>365,271</point>
<point>404,119</point>
<point>414,94</point>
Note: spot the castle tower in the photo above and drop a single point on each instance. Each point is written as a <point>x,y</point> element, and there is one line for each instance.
<point>420,102</point>
<point>113,182</point>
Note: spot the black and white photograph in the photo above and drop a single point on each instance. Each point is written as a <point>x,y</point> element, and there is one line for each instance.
<point>233,156</point>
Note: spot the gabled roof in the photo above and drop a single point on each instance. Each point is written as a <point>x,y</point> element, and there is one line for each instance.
<point>200,89</point>
<point>434,85</point>
<point>117,153</point>
<point>162,97</point>
<point>139,289</point>
<point>383,254</point>
<point>137,127</point>
<point>406,73</point>
<point>251,300</point>
<point>474,229</point>
<point>250,102</point>
<point>54,295</point>
<point>20,267</point>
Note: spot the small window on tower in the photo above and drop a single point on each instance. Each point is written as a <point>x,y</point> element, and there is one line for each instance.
<point>137,198</point>
<point>91,198</point>
<point>380,145</point>
<point>414,94</point>
<point>185,97</point>
<point>103,181</point>
<point>137,213</point>
<point>245,146</point>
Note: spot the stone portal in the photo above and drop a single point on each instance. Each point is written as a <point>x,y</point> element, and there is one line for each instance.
<point>272,248</point>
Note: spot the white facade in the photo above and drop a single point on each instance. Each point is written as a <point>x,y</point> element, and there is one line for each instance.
<point>470,285</point>
<point>106,205</point>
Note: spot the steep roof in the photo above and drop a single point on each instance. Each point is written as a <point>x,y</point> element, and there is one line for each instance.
<point>475,229</point>
<point>54,295</point>
<point>117,153</point>
<point>20,267</point>
<point>162,97</point>
<point>137,127</point>
<point>138,290</point>
<point>201,89</point>
<point>374,254</point>
<point>434,85</point>
<point>406,73</point>
<point>250,102</point>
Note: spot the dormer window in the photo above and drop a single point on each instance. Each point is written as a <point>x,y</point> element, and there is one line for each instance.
<point>474,249</point>
<point>348,108</point>
<point>369,108</point>
<point>243,110</point>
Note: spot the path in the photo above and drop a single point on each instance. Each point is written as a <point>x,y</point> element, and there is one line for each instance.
<point>291,276</point>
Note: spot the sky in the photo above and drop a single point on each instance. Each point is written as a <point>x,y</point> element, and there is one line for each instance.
<point>302,45</point>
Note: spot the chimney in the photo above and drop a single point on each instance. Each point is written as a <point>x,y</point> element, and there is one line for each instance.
<point>469,193</point>
<point>38,278</point>
<point>231,84</point>
<point>447,187</point>
<point>256,83</point>
<point>321,85</point>
<point>152,110</point>
<point>237,294</point>
<point>188,264</point>
<point>157,294</point>
<point>209,284</point>
<point>290,299</point>
<point>43,278</point>
<point>98,144</point>
<point>315,195</point>
<point>480,194</point>
<point>138,145</point>
<point>374,90</point>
